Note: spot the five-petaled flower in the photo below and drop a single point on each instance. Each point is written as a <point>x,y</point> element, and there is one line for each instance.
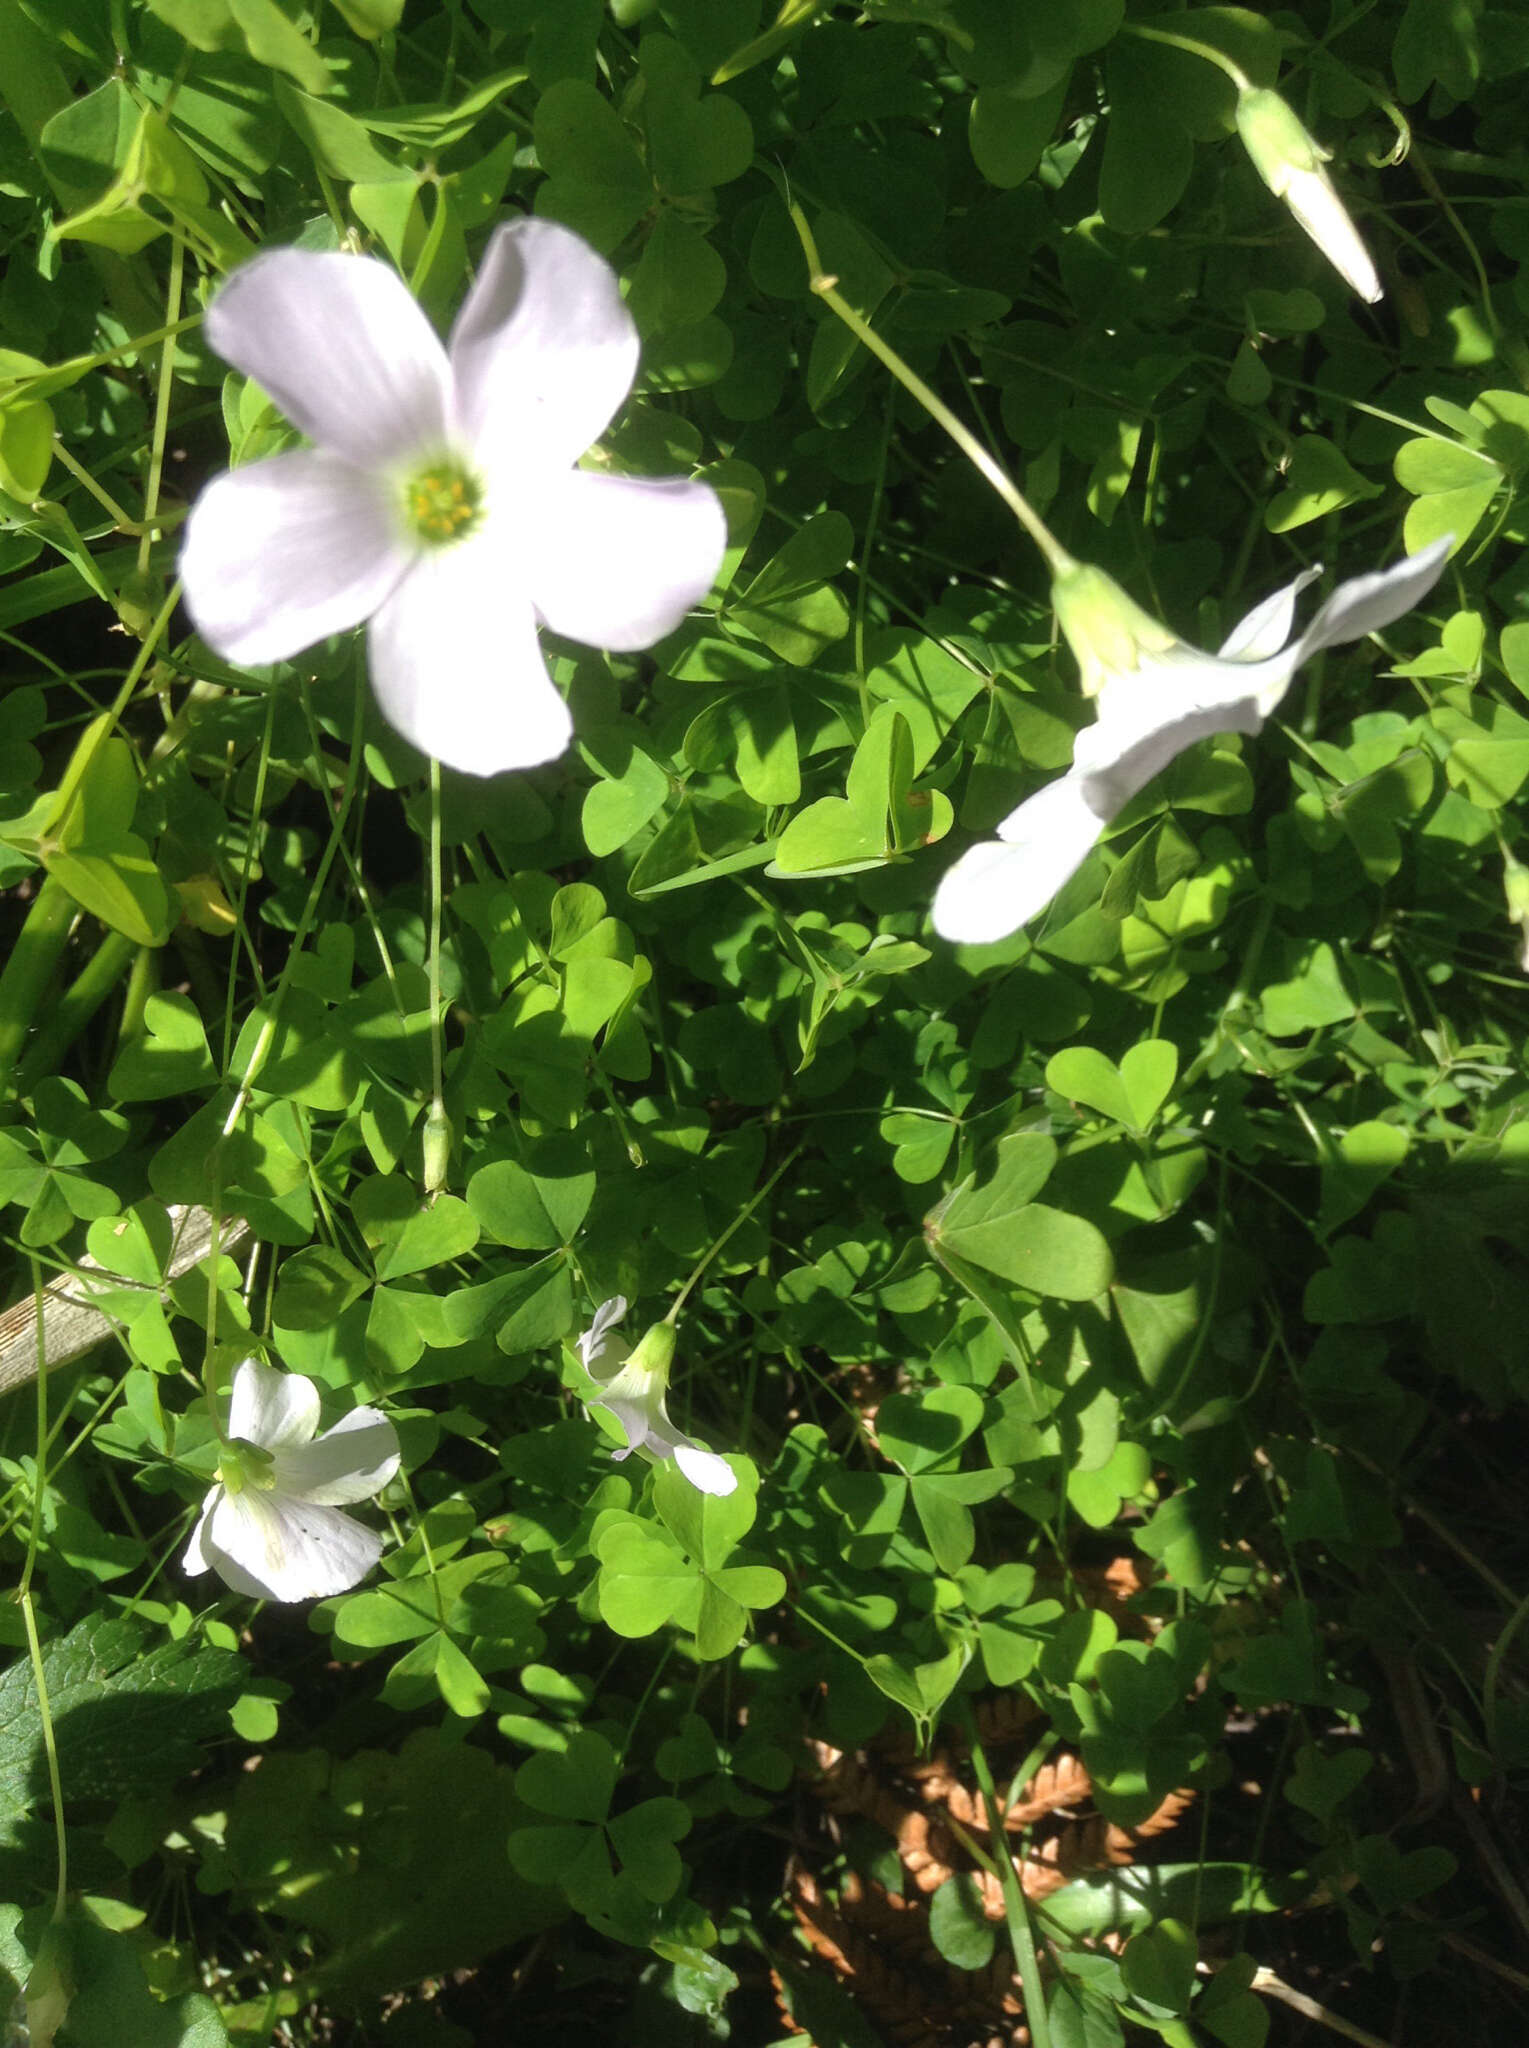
<point>631,1385</point>
<point>272,1526</point>
<point>440,499</point>
<point>1156,696</point>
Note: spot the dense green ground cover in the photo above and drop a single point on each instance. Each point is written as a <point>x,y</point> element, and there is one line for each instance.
<point>1116,1331</point>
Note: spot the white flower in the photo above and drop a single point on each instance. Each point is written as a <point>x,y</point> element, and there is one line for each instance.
<point>272,1526</point>
<point>1156,696</point>
<point>632,1387</point>
<point>440,499</point>
<point>1290,163</point>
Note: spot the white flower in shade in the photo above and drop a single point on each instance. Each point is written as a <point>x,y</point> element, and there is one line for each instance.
<point>1156,696</point>
<point>440,499</point>
<point>272,1526</point>
<point>632,1384</point>
<point>1290,162</point>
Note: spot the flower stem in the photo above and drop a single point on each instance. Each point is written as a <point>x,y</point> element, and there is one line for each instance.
<point>737,1224</point>
<point>1057,557</point>
<point>162,404</point>
<point>1193,48</point>
<point>29,1617</point>
<point>1016,1910</point>
<point>29,971</point>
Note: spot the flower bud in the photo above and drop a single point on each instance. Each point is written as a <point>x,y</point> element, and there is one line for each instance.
<point>1290,163</point>
<point>437,1147</point>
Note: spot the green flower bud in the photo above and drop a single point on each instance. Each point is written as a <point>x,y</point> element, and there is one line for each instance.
<point>437,1147</point>
<point>1276,139</point>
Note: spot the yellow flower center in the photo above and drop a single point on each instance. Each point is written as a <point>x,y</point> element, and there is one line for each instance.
<point>443,501</point>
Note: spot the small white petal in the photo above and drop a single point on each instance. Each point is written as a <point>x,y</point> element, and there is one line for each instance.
<point>284,553</point>
<point>1269,625</point>
<point>639,1422</point>
<point>277,1410</point>
<point>1366,603</point>
<point>196,1560</point>
<point>705,1470</point>
<point>597,1340</point>
<point>272,1548</point>
<point>998,885</point>
<point>543,350</point>
<point>342,347</point>
<point>457,667</point>
<point>618,561</point>
<point>350,1462</point>
<point>1311,197</point>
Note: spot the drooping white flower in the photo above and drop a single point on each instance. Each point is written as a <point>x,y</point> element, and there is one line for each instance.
<point>632,1385</point>
<point>1156,696</point>
<point>272,1526</point>
<point>440,499</point>
<point>1290,162</point>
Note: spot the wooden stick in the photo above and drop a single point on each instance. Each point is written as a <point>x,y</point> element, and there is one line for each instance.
<point>73,1323</point>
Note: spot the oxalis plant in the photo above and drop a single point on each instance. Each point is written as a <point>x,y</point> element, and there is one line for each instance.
<point>766,1268</point>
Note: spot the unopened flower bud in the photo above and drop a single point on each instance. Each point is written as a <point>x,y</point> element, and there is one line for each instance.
<point>1290,162</point>
<point>437,1147</point>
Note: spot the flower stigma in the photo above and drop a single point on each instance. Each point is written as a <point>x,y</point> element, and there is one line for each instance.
<point>442,502</point>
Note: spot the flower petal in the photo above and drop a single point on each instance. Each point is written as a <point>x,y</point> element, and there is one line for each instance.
<point>1269,625</point>
<point>273,1548</point>
<point>350,1462</point>
<point>343,348</point>
<point>457,667</point>
<point>277,1410</point>
<point>617,561</point>
<point>597,1340</point>
<point>543,349</point>
<point>705,1470</point>
<point>1180,698</point>
<point>196,1560</point>
<point>283,553</point>
<point>639,1422</point>
<point>1366,603</point>
<point>1313,200</point>
<point>997,886</point>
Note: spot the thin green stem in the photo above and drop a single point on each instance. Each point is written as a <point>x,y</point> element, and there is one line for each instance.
<point>24,1596</point>
<point>123,520</point>
<point>1193,48</point>
<point>823,285</point>
<point>737,1224</point>
<point>1016,1910</point>
<point>162,403</point>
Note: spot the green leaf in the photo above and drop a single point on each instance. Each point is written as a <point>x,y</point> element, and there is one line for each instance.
<point>1158,1966</point>
<point>533,1211</point>
<point>635,790</point>
<point>596,181</point>
<point>958,1927</point>
<point>336,141</point>
<point>575,1783</point>
<point>1008,131</point>
<point>171,1058</point>
<point>314,1288</point>
<point>791,605</point>
<point>1319,478</point>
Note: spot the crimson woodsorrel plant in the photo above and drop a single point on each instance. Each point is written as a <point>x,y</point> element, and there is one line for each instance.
<point>764,1273</point>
